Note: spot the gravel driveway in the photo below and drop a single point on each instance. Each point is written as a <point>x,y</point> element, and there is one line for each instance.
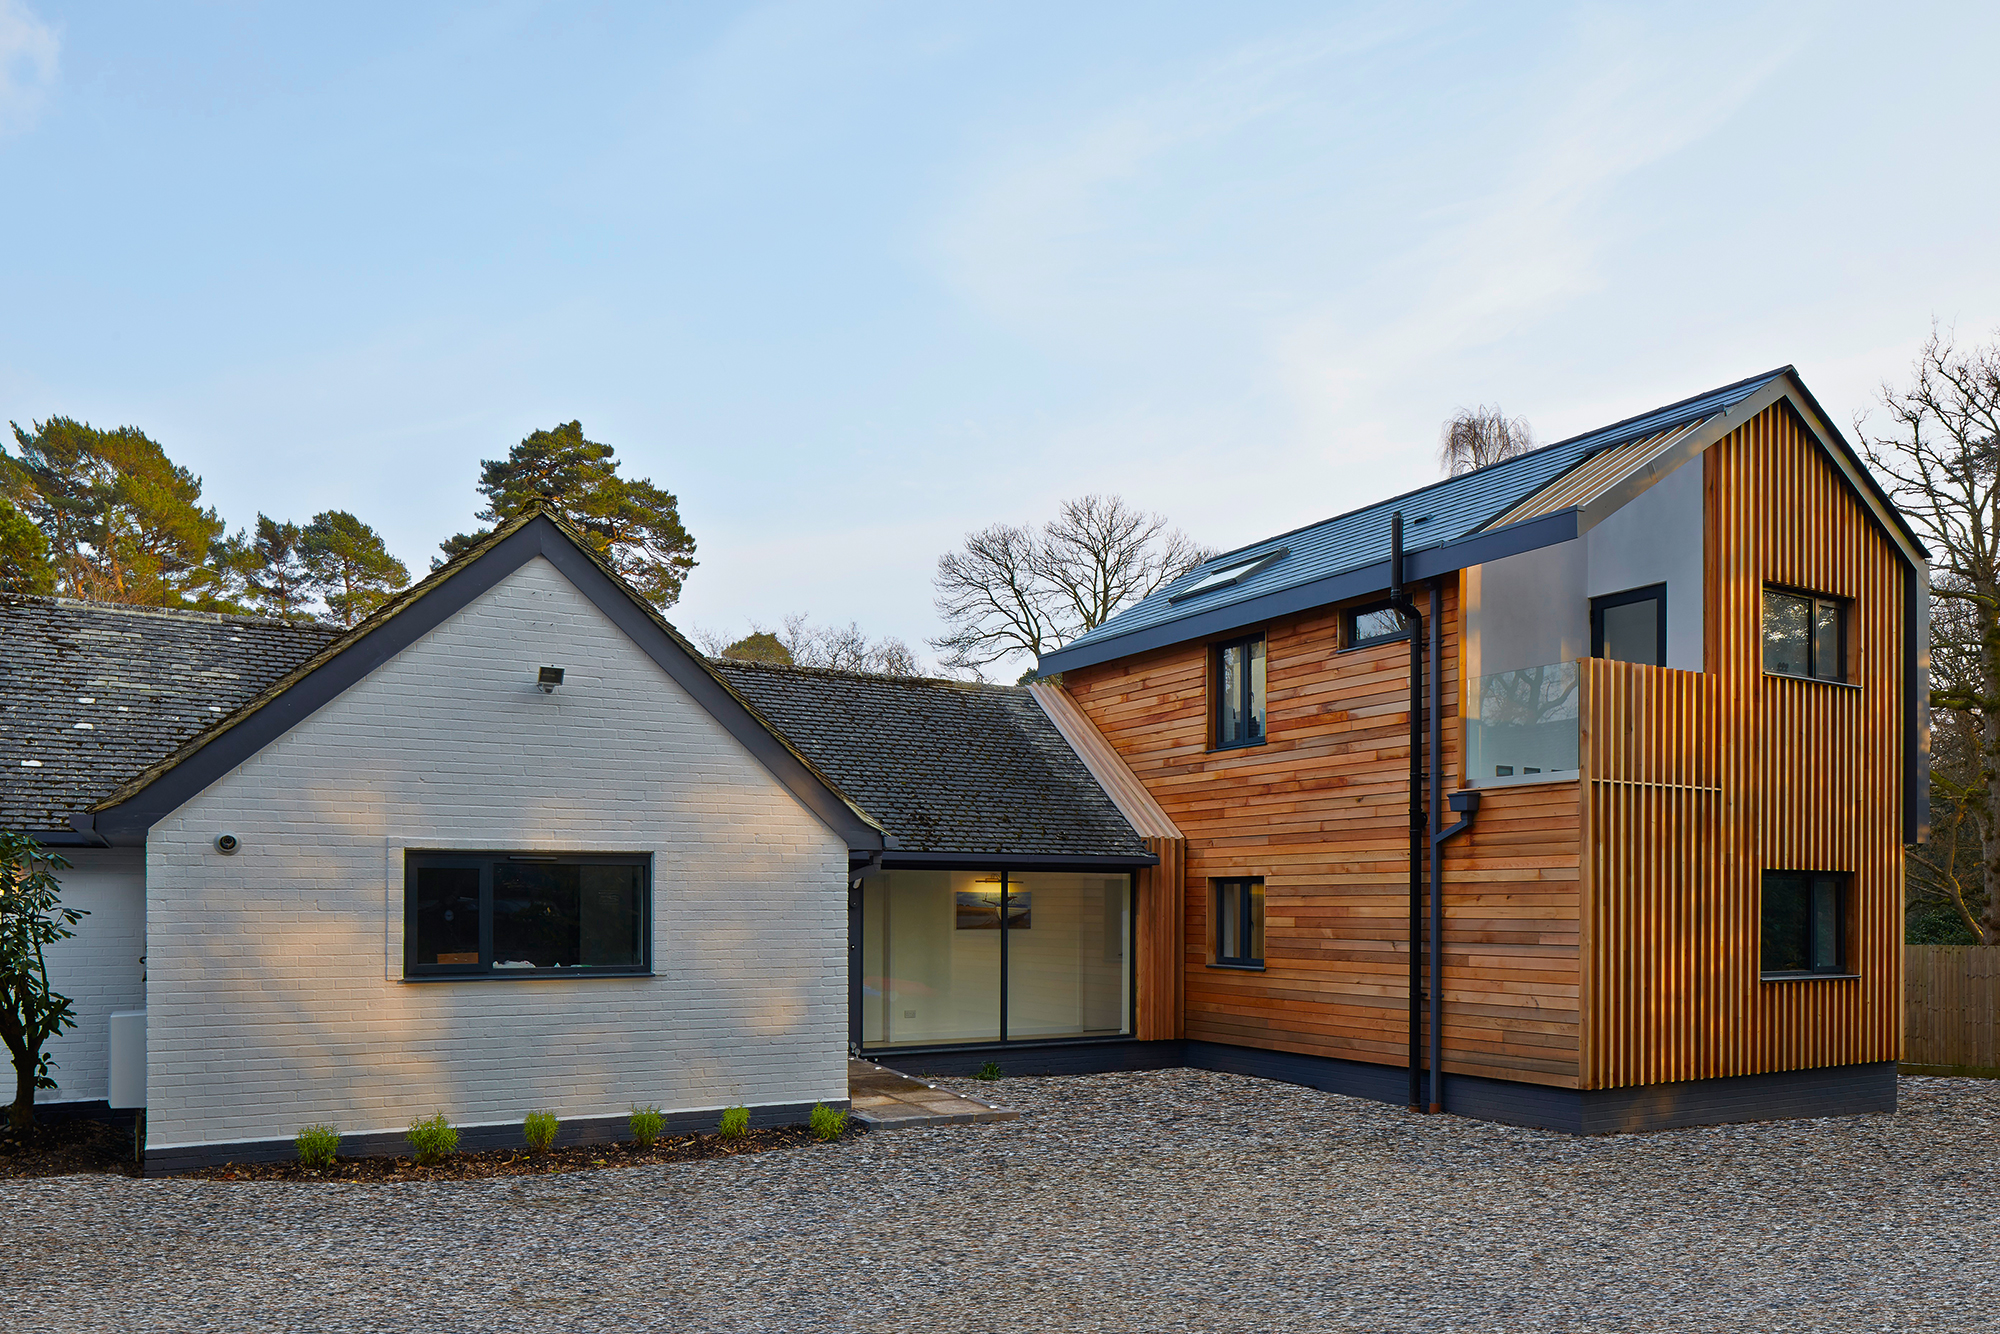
<point>1169,1200</point>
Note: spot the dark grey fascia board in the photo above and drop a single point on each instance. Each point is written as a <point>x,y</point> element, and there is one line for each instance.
<point>1016,861</point>
<point>125,825</point>
<point>1515,538</point>
<point>66,838</point>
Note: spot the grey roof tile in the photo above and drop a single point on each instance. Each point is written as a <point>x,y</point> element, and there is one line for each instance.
<point>945,766</point>
<point>93,692</point>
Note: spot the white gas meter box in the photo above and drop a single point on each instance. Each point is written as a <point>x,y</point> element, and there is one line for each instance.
<point>128,1058</point>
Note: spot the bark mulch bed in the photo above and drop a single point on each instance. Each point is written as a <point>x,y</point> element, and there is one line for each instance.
<point>520,1162</point>
<point>54,1148</point>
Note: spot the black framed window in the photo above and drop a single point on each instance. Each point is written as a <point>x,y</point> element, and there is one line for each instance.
<point>525,914</point>
<point>1805,635</point>
<point>1239,922</point>
<point>1239,692</point>
<point>1630,626</point>
<point>1805,923</point>
<point>1376,623</point>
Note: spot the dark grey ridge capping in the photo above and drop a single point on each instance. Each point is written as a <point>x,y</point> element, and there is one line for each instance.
<point>126,824</point>
<point>471,1139</point>
<point>960,773</point>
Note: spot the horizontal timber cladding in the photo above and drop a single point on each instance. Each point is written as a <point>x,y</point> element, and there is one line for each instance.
<point>1320,812</point>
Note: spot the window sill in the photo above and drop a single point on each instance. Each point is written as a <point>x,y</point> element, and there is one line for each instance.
<point>1239,745</point>
<point>1807,977</point>
<point>1372,643</point>
<point>1526,780</point>
<point>1813,680</point>
<point>1240,967</point>
<point>566,975</point>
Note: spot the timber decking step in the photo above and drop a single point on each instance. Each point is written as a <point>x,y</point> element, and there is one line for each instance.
<point>885,1099</point>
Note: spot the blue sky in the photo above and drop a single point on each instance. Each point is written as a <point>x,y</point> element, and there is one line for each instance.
<point>854,279</point>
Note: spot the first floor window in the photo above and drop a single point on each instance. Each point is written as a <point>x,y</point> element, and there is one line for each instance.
<point>1239,922</point>
<point>1805,922</point>
<point>1239,692</point>
<point>525,914</point>
<point>1630,626</point>
<point>1376,623</point>
<point>1805,635</point>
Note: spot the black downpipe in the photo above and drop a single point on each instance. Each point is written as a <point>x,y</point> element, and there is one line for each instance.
<point>1399,598</point>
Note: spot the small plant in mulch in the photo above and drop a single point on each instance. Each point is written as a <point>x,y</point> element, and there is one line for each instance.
<point>988,1071</point>
<point>735,1123</point>
<point>646,1123</point>
<point>828,1123</point>
<point>317,1146</point>
<point>539,1129</point>
<point>484,1163</point>
<point>431,1138</point>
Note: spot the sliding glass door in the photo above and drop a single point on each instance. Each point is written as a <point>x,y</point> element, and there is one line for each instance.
<point>989,956</point>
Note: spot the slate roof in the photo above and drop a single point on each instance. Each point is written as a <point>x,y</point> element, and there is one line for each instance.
<point>946,766</point>
<point>93,692</point>
<point>1433,516</point>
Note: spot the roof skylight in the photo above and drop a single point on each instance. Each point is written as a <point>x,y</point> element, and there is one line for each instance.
<point>1224,576</point>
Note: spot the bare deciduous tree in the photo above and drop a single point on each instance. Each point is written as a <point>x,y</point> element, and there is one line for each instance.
<point>1017,590</point>
<point>1941,460</point>
<point>803,644</point>
<point>1480,437</point>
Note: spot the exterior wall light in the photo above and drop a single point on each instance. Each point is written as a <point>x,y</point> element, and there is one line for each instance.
<point>548,679</point>
<point>226,844</point>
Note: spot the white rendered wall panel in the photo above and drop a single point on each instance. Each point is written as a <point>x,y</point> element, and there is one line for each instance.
<point>276,996</point>
<point>100,968</point>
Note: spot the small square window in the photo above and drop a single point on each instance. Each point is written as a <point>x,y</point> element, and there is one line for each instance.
<point>1239,693</point>
<point>1376,623</point>
<point>1239,922</point>
<point>1805,635</point>
<point>1805,923</point>
<point>1630,626</point>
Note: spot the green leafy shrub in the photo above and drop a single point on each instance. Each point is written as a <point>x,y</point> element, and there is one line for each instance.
<point>827,1122</point>
<point>540,1131</point>
<point>990,1070</point>
<point>317,1145</point>
<point>432,1137</point>
<point>735,1123</point>
<point>646,1124</point>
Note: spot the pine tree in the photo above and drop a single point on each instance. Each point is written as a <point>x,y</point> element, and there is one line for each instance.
<point>633,524</point>
<point>279,583</point>
<point>349,566</point>
<point>123,522</point>
<point>24,553</point>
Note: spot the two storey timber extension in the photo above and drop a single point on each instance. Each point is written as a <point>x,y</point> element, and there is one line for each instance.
<point>1571,791</point>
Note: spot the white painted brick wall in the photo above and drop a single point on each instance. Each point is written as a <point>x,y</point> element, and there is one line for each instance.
<point>98,968</point>
<point>274,991</point>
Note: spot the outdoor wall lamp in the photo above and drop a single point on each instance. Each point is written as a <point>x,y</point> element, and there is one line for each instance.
<point>548,679</point>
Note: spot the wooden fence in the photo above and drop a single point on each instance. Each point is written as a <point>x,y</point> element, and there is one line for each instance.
<point>1951,994</point>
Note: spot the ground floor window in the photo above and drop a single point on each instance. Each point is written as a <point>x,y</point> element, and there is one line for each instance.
<point>525,914</point>
<point>1805,923</point>
<point>993,956</point>
<point>1239,922</point>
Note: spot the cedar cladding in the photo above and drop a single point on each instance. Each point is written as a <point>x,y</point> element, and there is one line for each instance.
<point>1636,962</point>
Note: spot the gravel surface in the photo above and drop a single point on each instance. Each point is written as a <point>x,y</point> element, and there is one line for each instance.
<point>1169,1200</point>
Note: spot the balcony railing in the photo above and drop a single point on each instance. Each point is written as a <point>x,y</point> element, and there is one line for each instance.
<point>1522,724</point>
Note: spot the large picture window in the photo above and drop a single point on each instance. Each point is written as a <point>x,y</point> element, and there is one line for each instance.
<point>994,956</point>
<point>1239,692</point>
<point>1805,923</point>
<point>1805,635</point>
<point>525,915</point>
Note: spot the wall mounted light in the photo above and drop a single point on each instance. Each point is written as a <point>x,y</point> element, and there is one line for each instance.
<point>548,679</point>
<point>226,844</point>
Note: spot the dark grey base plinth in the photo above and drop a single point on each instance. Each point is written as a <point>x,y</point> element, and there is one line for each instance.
<point>581,1130</point>
<point>1831,1091</point>
<point>1840,1090</point>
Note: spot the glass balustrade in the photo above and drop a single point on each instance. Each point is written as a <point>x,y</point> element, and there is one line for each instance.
<point>1521,724</point>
